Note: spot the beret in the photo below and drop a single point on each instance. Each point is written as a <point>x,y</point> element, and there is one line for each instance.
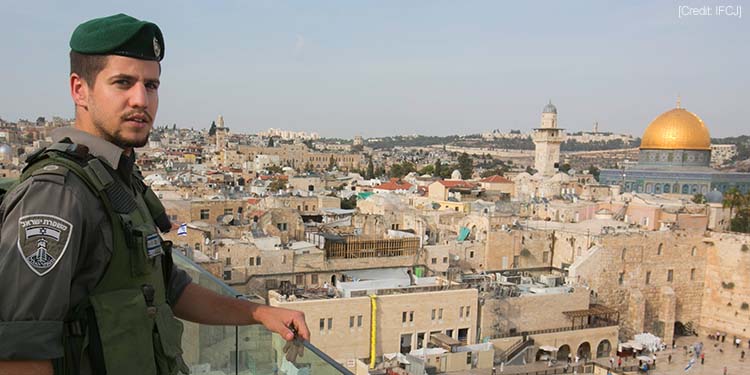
<point>119,34</point>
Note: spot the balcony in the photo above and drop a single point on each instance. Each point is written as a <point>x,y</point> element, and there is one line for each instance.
<point>225,350</point>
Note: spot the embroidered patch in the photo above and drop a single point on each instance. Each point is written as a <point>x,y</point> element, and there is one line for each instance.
<point>42,241</point>
<point>153,245</point>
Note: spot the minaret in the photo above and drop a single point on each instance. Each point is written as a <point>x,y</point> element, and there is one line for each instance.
<point>220,132</point>
<point>547,140</point>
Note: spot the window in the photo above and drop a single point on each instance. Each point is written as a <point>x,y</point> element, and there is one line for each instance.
<point>403,317</point>
<point>461,312</point>
<point>313,279</point>
<point>322,324</point>
<point>440,314</point>
<point>351,321</point>
<point>306,208</point>
<point>411,316</point>
<point>228,211</point>
<point>621,278</point>
<point>251,261</point>
<point>359,320</point>
<point>449,332</point>
<point>257,261</point>
<point>660,249</point>
<point>204,214</point>
<point>229,261</point>
<point>330,323</point>
<point>281,226</point>
<point>197,246</point>
<point>420,340</point>
<point>692,274</point>
<point>545,256</point>
<point>648,277</point>
<point>471,254</point>
<point>516,261</point>
<point>299,279</point>
<point>434,260</point>
<point>694,251</point>
<point>670,275</point>
<point>624,250</point>
<point>434,314</point>
<point>228,275</point>
<point>468,311</point>
<point>445,259</point>
<point>283,259</point>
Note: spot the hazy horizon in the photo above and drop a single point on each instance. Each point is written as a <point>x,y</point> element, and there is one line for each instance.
<point>400,68</point>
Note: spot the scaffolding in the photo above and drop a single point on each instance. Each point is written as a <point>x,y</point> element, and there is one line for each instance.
<point>352,248</point>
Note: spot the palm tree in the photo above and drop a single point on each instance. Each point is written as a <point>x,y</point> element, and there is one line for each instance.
<point>733,198</point>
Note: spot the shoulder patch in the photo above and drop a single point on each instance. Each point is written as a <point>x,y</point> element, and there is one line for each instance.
<point>51,169</point>
<point>42,241</point>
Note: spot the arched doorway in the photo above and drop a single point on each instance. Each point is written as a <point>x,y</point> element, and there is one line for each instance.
<point>584,351</point>
<point>603,350</point>
<point>333,280</point>
<point>563,353</point>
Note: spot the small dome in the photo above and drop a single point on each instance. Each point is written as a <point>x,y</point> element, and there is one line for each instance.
<point>550,108</point>
<point>456,175</point>
<point>714,196</point>
<point>5,149</point>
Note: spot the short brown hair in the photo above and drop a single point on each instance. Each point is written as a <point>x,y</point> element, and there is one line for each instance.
<point>87,66</point>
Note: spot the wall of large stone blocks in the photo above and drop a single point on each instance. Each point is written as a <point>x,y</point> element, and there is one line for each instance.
<point>530,312</point>
<point>617,272</point>
<point>726,298</point>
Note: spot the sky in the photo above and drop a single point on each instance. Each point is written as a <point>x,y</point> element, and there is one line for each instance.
<point>383,68</point>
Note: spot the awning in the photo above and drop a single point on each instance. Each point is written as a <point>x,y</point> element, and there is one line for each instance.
<point>463,233</point>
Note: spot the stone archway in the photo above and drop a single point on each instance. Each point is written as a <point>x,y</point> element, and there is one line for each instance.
<point>603,349</point>
<point>563,352</point>
<point>584,351</point>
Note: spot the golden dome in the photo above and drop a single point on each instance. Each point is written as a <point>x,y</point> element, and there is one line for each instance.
<point>677,129</point>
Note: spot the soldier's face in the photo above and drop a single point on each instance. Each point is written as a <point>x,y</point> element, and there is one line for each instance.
<point>123,101</point>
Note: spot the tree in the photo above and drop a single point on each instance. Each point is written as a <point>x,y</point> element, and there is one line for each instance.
<point>401,170</point>
<point>370,169</point>
<point>733,198</point>
<point>274,169</point>
<point>699,198</point>
<point>349,203</point>
<point>427,169</point>
<point>270,142</point>
<point>594,171</point>
<point>331,163</point>
<point>438,167</point>
<point>465,166</point>
<point>309,167</point>
<point>565,168</point>
<point>530,170</point>
<point>212,129</point>
<point>276,185</point>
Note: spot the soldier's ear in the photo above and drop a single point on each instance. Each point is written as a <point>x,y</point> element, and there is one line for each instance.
<point>79,90</point>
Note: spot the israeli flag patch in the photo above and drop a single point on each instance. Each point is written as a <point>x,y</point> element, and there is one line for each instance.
<point>153,245</point>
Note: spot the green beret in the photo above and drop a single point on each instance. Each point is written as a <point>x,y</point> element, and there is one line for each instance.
<point>119,35</point>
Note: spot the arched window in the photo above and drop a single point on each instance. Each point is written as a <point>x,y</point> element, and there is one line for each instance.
<point>660,249</point>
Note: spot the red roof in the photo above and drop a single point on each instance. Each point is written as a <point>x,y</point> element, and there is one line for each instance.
<point>394,184</point>
<point>253,200</point>
<point>496,179</point>
<point>461,184</point>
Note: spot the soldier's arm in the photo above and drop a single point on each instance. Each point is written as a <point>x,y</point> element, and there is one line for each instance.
<point>42,220</point>
<point>200,305</point>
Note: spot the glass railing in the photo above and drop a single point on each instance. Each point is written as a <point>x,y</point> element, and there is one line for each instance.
<point>225,350</point>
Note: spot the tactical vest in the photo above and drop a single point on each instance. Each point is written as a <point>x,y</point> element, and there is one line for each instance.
<point>125,324</point>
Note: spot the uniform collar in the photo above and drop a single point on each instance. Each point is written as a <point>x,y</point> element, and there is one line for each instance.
<point>98,147</point>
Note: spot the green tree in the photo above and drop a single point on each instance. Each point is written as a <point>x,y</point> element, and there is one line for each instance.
<point>698,198</point>
<point>276,185</point>
<point>401,170</point>
<point>270,142</point>
<point>465,166</point>
<point>349,203</point>
<point>331,163</point>
<point>212,129</point>
<point>438,168</point>
<point>733,198</point>
<point>565,168</point>
<point>370,169</point>
<point>427,169</point>
<point>594,171</point>
<point>273,169</point>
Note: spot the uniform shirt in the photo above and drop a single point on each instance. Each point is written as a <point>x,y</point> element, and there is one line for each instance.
<point>37,292</point>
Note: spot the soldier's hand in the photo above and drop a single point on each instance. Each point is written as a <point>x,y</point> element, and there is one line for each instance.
<point>285,322</point>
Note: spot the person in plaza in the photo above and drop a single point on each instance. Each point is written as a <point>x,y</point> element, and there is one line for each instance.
<point>89,286</point>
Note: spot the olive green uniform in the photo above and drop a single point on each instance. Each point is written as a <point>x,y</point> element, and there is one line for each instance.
<point>36,296</point>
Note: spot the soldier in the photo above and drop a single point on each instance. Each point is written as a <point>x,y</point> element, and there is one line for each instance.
<point>88,284</point>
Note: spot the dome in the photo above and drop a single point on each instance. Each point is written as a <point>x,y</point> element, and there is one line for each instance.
<point>5,149</point>
<point>714,196</point>
<point>677,129</point>
<point>550,108</point>
<point>456,175</point>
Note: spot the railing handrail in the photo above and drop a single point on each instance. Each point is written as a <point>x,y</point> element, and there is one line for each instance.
<point>554,330</point>
<point>231,291</point>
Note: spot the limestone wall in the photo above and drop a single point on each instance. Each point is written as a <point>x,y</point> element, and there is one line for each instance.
<point>628,266</point>
<point>727,286</point>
